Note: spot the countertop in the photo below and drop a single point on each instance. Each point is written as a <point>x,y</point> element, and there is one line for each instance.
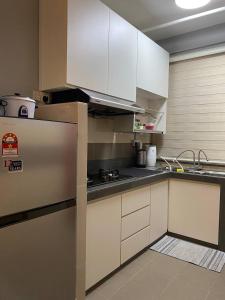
<point>142,177</point>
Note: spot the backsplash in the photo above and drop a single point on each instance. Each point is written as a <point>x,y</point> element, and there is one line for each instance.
<point>107,149</point>
<point>106,156</point>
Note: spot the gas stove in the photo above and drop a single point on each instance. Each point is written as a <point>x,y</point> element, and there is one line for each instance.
<point>106,176</point>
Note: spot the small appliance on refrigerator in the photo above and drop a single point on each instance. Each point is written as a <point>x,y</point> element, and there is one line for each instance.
<point>37,209</point>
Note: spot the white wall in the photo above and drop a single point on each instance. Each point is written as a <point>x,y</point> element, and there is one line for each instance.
<point>18,46</point>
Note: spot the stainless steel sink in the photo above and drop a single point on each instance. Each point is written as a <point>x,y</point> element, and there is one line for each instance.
<point>219,173</point>
<point>206,172</point>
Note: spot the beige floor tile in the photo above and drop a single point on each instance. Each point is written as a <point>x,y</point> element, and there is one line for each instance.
<point>219,286</point>
<point>168,265</point>
<point>120,279</point>
<point>95,296</point>
<point>113,285</point>
<point>223,271</point>
<point>183,290</point>
<point>215,296</point>
<point>199,277</point>
<point>147,284</point>
<point>154,276</point>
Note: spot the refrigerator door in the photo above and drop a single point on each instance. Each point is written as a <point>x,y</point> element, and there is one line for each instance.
<point>43,172</point>
<point>37,258</point>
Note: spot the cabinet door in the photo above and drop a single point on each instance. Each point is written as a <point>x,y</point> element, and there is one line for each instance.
<point>135,199</point>
<point>153,66</point>
<point>135,222</point>
<point>134,244</point>
<point>103,239</point>
<point>194,210</point>
<point>122,58</point>
<point>87,44</point>
<point>159,210</point>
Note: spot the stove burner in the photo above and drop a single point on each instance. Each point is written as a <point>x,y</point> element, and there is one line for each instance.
<point>106,176</point>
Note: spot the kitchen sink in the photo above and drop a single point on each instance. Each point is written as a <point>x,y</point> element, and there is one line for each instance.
<point>206,172</point>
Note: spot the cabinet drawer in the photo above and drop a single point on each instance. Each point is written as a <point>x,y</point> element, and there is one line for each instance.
<point>134,244</point>
<point>135,222</point>
<point>135,200</point>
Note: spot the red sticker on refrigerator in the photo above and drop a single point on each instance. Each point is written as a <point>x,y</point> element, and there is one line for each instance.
<point>9,144</point>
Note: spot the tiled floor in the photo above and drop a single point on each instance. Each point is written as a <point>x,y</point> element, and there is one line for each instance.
<point>154,276</point>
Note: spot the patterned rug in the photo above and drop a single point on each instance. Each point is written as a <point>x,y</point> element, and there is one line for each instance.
<point>202,256</point>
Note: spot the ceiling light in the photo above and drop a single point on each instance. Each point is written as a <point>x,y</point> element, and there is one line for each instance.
<point>191,4</point>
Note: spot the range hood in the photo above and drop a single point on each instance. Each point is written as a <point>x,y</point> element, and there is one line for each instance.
<point>98,104</point>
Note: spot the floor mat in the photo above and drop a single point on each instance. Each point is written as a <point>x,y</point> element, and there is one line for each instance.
<point>202,256</point>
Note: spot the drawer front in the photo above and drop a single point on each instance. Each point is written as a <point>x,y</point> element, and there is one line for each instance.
<point>134,200</point>
<point>134,222</point>
<point>134,244</point>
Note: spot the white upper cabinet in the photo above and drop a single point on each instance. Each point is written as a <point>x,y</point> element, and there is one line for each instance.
<point>85,44</point>
<point>122,58</point>
<point>74,44</point>
<point>153,66</point>
<point>87,51</point>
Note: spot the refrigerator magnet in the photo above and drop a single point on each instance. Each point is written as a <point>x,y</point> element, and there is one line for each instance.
<point>9,144</point>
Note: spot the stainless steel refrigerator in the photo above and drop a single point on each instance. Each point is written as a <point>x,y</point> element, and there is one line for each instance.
<point>37,209</point>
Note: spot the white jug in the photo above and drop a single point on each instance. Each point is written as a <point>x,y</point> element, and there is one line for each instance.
<point>151,156</point>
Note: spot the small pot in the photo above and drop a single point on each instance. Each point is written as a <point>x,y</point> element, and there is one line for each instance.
<point>17,106</point>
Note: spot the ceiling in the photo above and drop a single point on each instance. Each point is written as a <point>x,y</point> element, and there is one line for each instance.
<point>162,19</point>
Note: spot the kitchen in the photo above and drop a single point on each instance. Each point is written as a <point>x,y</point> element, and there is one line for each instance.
<point>158,80</point>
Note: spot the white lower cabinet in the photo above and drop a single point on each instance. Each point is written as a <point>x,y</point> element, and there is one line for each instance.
<point>159,210</point>
<point>135,199</point>
<point>102,239</point>
<point>134,222</point>
<point>134,244</point>
<point>194,209</point>
<point>121,226</point>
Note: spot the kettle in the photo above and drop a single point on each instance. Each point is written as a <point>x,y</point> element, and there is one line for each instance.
<point>151,156</point>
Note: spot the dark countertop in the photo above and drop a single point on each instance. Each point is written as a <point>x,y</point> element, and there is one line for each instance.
<point>143,177</point>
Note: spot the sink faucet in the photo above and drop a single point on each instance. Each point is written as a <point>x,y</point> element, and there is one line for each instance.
<point>179,164</point>
<point>194,163</point>
<point>199,157</point>
<point>168,164</point>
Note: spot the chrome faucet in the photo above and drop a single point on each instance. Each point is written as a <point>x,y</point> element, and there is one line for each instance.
<point>194,162</point>
<point>199,157</point>
<point>179,164</point>
<point>168,164</point>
